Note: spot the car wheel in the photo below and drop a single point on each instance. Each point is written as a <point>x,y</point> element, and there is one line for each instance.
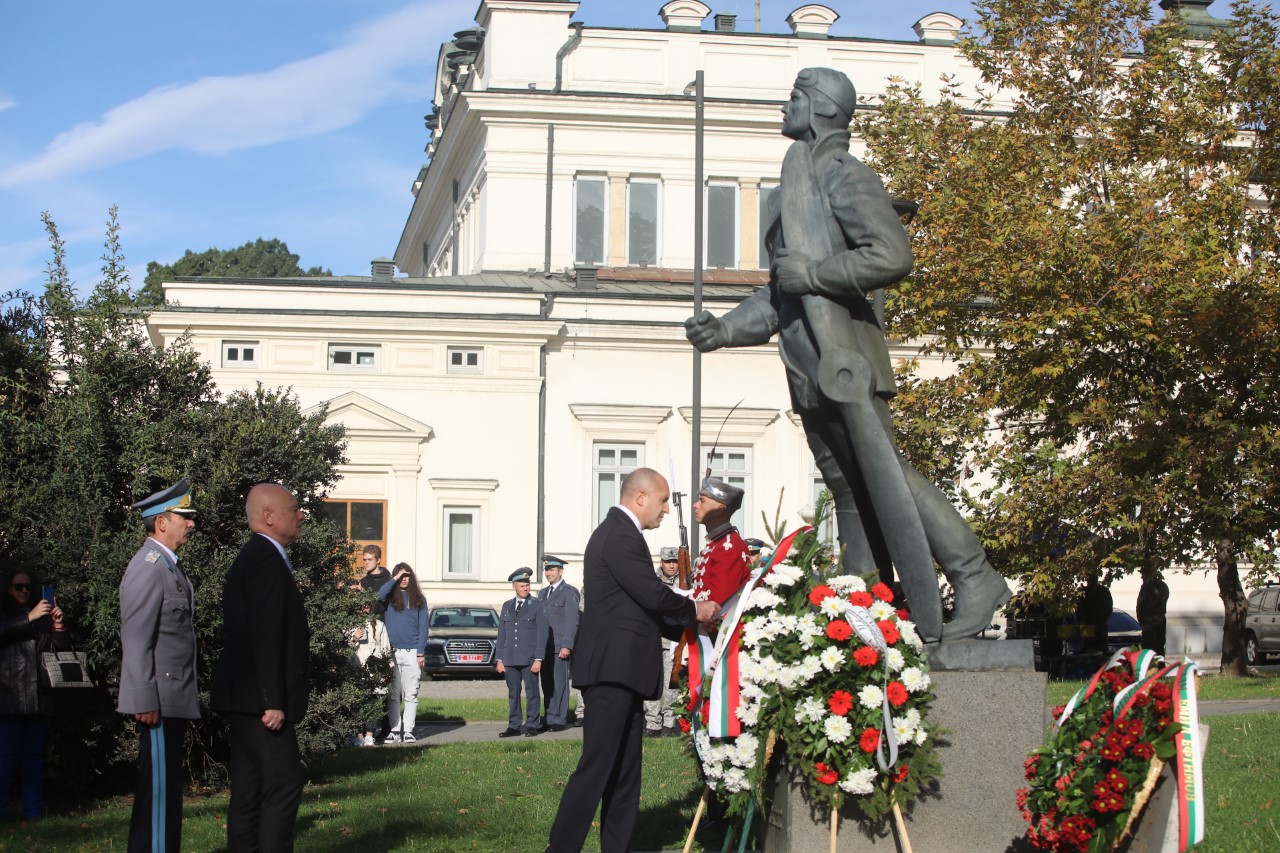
<point>1251,653</point>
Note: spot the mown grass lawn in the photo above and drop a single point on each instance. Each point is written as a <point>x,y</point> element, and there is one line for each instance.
<point>500,797</point>
<point>1212,687</point>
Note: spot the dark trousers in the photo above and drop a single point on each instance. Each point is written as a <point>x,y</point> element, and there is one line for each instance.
<point>608,774</point>
<point>22,740</point>
<point>555,689</point>
<point>266,786</point>
<point>156,823</point>
<point>515,676</point>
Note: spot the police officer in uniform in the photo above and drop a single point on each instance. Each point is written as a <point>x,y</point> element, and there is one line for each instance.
<point>158,666</point>
<point>561,603</point>
<point>522,641</point>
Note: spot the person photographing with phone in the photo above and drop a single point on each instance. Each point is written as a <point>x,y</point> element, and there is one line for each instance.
<point>158,665</point>
<point>28,627</point>
<point>406,621</point>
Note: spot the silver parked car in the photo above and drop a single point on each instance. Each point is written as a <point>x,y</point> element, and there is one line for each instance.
<point>1262,624</point>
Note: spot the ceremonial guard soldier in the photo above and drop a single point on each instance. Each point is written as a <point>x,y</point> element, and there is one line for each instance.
<point>158,666</point>
<point>561,603</point>
<point>721,570</point>
<point>522,641</point>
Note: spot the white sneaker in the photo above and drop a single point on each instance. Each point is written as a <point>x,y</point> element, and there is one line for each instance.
<point>393,737</point>
<point>367,740</point>
<point>409,738</point>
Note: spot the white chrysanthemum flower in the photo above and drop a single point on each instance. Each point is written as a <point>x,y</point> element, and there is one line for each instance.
<point>915,680</point>
<point>845,584</point>
<point>749,715</point>
<point>903,731</point>
<point>909,636</point>
<point>751,692</point>
<point>735,780</point>
<point>859,782</point>
<point>752,633</point>
<point>783,575</point>
<point>895,659</point>
<point>749,670</point>
<point>812,665</point>
<point>832,607</point>
<point>913,717</point>
<point>871,696</point>
<point>831,658</point>
<point>881,610</point>
<point>837,729</point>
<point>763,599</point>
<point>921,736</point>
<point>703,742</point>
<point>809,710</point>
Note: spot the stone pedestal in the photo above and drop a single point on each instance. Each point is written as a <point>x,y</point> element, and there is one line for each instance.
<point>991,705</point>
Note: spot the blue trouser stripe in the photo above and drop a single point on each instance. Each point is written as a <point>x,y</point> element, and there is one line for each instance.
<point>159,797</point>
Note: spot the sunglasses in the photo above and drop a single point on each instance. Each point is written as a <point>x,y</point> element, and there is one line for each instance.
<point>21,586</point>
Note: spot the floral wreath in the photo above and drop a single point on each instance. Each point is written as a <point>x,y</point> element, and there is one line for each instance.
<point>1099,765</point>
<point>834,674</point>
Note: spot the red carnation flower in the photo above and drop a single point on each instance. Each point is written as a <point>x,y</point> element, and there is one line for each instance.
<point>839,630</point>
<point>826,775</point>
<point>897,693</point>
<point>820,594</point>
<point>890,631</point>
<point>861,599</point>
<point>840,702</point>
<point>904,614</point>
<point>902,772</point>
<point>870,740</point>
<point>1031,767</point>
<point>882,592</point>
<point>866,656</point>
<point>684,725</point>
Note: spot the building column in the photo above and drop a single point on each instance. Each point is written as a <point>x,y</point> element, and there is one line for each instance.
<point>617,219</point>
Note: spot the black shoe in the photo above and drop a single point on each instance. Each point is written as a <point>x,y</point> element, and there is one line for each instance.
<point>509,733</point>
<point>530,732</point>
<point>670,731</point>
<point>653,732</point>
<point>557,727</point>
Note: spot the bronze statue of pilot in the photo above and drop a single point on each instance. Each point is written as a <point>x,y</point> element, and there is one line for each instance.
<point>833,239</point>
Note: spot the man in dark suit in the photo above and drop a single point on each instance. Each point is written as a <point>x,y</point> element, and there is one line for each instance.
<point>618,664</point>
<point>260,682</point>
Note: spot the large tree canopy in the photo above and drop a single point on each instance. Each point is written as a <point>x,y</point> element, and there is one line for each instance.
<point>1097,247</point>
<point>93,416</point>
<point>257,259</point>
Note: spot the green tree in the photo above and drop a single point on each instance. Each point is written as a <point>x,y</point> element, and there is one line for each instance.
<point>258,259</point>
<point>1097,245</point>
<point>98,417</point>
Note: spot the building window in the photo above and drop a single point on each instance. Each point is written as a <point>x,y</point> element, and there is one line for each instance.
<point>611,465</point>
<point>589,221</point>
<point>426,255</point>
<point>722,225</point>
<point>733,466</point>
<point>466,360</point>
<point>461,541</point>
<point>239,353</point>
<point>353,356</point>
<point>362,522</point>
<point>642,223</point>
<point>762,214</point>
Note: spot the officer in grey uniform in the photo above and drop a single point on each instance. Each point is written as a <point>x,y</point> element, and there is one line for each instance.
<point>158,666</point>
<point>561,603</point>
<point>522,641</point>
<point>659,716</point>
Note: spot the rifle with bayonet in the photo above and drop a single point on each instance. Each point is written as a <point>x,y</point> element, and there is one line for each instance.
<point>684,568</point>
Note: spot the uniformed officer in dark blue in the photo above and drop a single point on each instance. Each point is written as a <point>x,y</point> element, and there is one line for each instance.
<point>754,546</point>
<point>522,641</point>
<point>561,603</point>
<point>158,666</point>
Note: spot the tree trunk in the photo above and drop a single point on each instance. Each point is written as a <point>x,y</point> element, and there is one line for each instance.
<point>1233,605</point>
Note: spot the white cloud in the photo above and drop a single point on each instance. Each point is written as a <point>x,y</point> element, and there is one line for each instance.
<point>216,115</point>
<point>6,102</point>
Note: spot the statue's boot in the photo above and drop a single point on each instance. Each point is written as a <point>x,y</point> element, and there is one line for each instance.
<point>977,599</point>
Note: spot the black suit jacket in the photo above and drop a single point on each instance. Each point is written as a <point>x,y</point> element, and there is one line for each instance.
<point>627,611</point>
<point>265,634</point>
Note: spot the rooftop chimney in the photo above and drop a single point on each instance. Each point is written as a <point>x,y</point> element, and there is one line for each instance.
<point>383,269</point>
<point>587,277</point>
<point>726,22</point>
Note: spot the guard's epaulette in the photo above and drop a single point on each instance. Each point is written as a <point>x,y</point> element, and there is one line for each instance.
<point>153,555</point>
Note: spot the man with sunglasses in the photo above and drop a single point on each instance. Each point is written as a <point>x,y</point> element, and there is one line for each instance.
<point>158,666</point>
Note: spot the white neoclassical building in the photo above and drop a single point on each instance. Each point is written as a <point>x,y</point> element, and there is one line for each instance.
<point>524,349</point>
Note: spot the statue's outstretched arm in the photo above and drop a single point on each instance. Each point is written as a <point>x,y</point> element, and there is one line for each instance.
<point>753,321</point>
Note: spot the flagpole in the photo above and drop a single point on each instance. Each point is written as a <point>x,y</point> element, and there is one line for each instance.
<point>699,227</point>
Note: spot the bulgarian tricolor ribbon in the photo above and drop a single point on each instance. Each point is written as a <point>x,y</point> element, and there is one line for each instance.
<point>719,659</point>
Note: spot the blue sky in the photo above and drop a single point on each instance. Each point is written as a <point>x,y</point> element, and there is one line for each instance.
<point>217,123</point>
